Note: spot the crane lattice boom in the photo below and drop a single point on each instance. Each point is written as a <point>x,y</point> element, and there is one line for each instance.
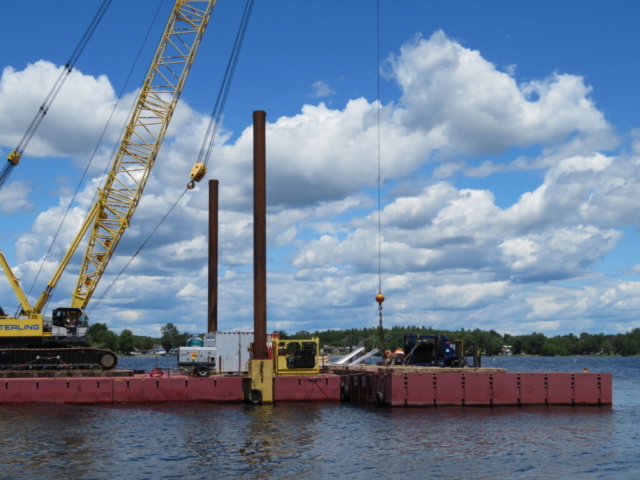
<point>142,139</point>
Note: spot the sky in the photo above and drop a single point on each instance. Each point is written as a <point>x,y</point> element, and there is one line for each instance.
<point>509,164</point>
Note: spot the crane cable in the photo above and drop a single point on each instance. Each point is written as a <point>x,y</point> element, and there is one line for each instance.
<point>207,144</point>
<point>104,294</point>
<point>221,100</point>
<point>95,151</point>
<point>379,296</point>
<point>14,157</point>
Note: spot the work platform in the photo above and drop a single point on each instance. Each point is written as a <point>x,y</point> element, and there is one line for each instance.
<point>433,386</point>
<point>384,386</point>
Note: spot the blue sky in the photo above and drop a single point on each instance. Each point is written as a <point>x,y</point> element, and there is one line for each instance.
<point>508,156</point>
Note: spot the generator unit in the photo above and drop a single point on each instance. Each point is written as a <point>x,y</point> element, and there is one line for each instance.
<point>433,351</point>
<point>201,360</point>
<point>296,357</point>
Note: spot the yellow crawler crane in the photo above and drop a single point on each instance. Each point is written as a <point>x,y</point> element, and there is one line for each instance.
<point>35,341</point>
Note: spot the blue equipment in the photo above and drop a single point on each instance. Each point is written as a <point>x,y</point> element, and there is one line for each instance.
<point>433,351</point>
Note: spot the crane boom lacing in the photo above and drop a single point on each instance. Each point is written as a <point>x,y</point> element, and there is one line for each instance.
<point>142,138</point>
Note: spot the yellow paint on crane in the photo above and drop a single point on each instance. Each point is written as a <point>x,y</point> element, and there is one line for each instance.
<point>198,172</point>
<point>21,327</point>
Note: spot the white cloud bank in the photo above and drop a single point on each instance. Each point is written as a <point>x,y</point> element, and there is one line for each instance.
<point>451,256</point>
<point>478,109</point>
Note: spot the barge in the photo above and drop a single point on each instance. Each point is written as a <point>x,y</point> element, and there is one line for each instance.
<point>383,386</point>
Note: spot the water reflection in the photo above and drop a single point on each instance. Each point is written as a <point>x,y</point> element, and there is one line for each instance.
<point>300,440</point>
<point>276,435</point>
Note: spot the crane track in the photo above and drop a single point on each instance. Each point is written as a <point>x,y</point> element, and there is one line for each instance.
<point>57,358</point>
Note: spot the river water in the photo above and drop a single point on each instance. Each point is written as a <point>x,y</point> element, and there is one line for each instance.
<point>309,441</point>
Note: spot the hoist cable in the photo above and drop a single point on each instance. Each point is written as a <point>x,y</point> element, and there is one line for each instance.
<point>63,75</point>
<point>95,151</point>
<point>379,176</point>
<point>218,109</point>
<point>53,93</point>
<point>4,174</point>
<point>380,296</point>
<point>104,294</point>
<point>133,105</point>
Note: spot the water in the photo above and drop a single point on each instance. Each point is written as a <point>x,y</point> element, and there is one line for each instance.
<point>300,441</point>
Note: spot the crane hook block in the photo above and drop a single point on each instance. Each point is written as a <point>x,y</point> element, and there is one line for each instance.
<point>14,157</point>
<point>198,172</point>
<point>380,298</point>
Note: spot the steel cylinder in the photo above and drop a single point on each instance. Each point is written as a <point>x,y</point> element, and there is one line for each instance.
<point>259,236</point>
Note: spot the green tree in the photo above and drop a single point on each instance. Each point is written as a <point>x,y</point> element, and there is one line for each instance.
<point>145,343</point>
<point>110,340</point>
<point>494,346</point>
<point>283,334</point>
<point>629,346</point>
<point>607,347</point>
<point>301,335</point>
<point>99,335</point>
<point>549,349</point>
<point>170,337</point>
<point>97,329</point>
<point>126,341</point>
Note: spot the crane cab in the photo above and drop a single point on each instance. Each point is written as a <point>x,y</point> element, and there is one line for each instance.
<point>69,322</point>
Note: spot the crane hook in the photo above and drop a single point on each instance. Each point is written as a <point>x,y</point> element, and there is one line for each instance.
<point>198,172</point>
<point>380,299</point>
<point>14,157</point>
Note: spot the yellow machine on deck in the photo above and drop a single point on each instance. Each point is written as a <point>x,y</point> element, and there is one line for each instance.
<point>296,357</point>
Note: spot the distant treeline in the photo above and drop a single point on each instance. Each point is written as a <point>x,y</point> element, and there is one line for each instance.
<point>490,342</point>
<point>125,342</point>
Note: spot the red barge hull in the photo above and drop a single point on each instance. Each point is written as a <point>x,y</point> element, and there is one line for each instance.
<point>386,388</point>
<point>416,389</point>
